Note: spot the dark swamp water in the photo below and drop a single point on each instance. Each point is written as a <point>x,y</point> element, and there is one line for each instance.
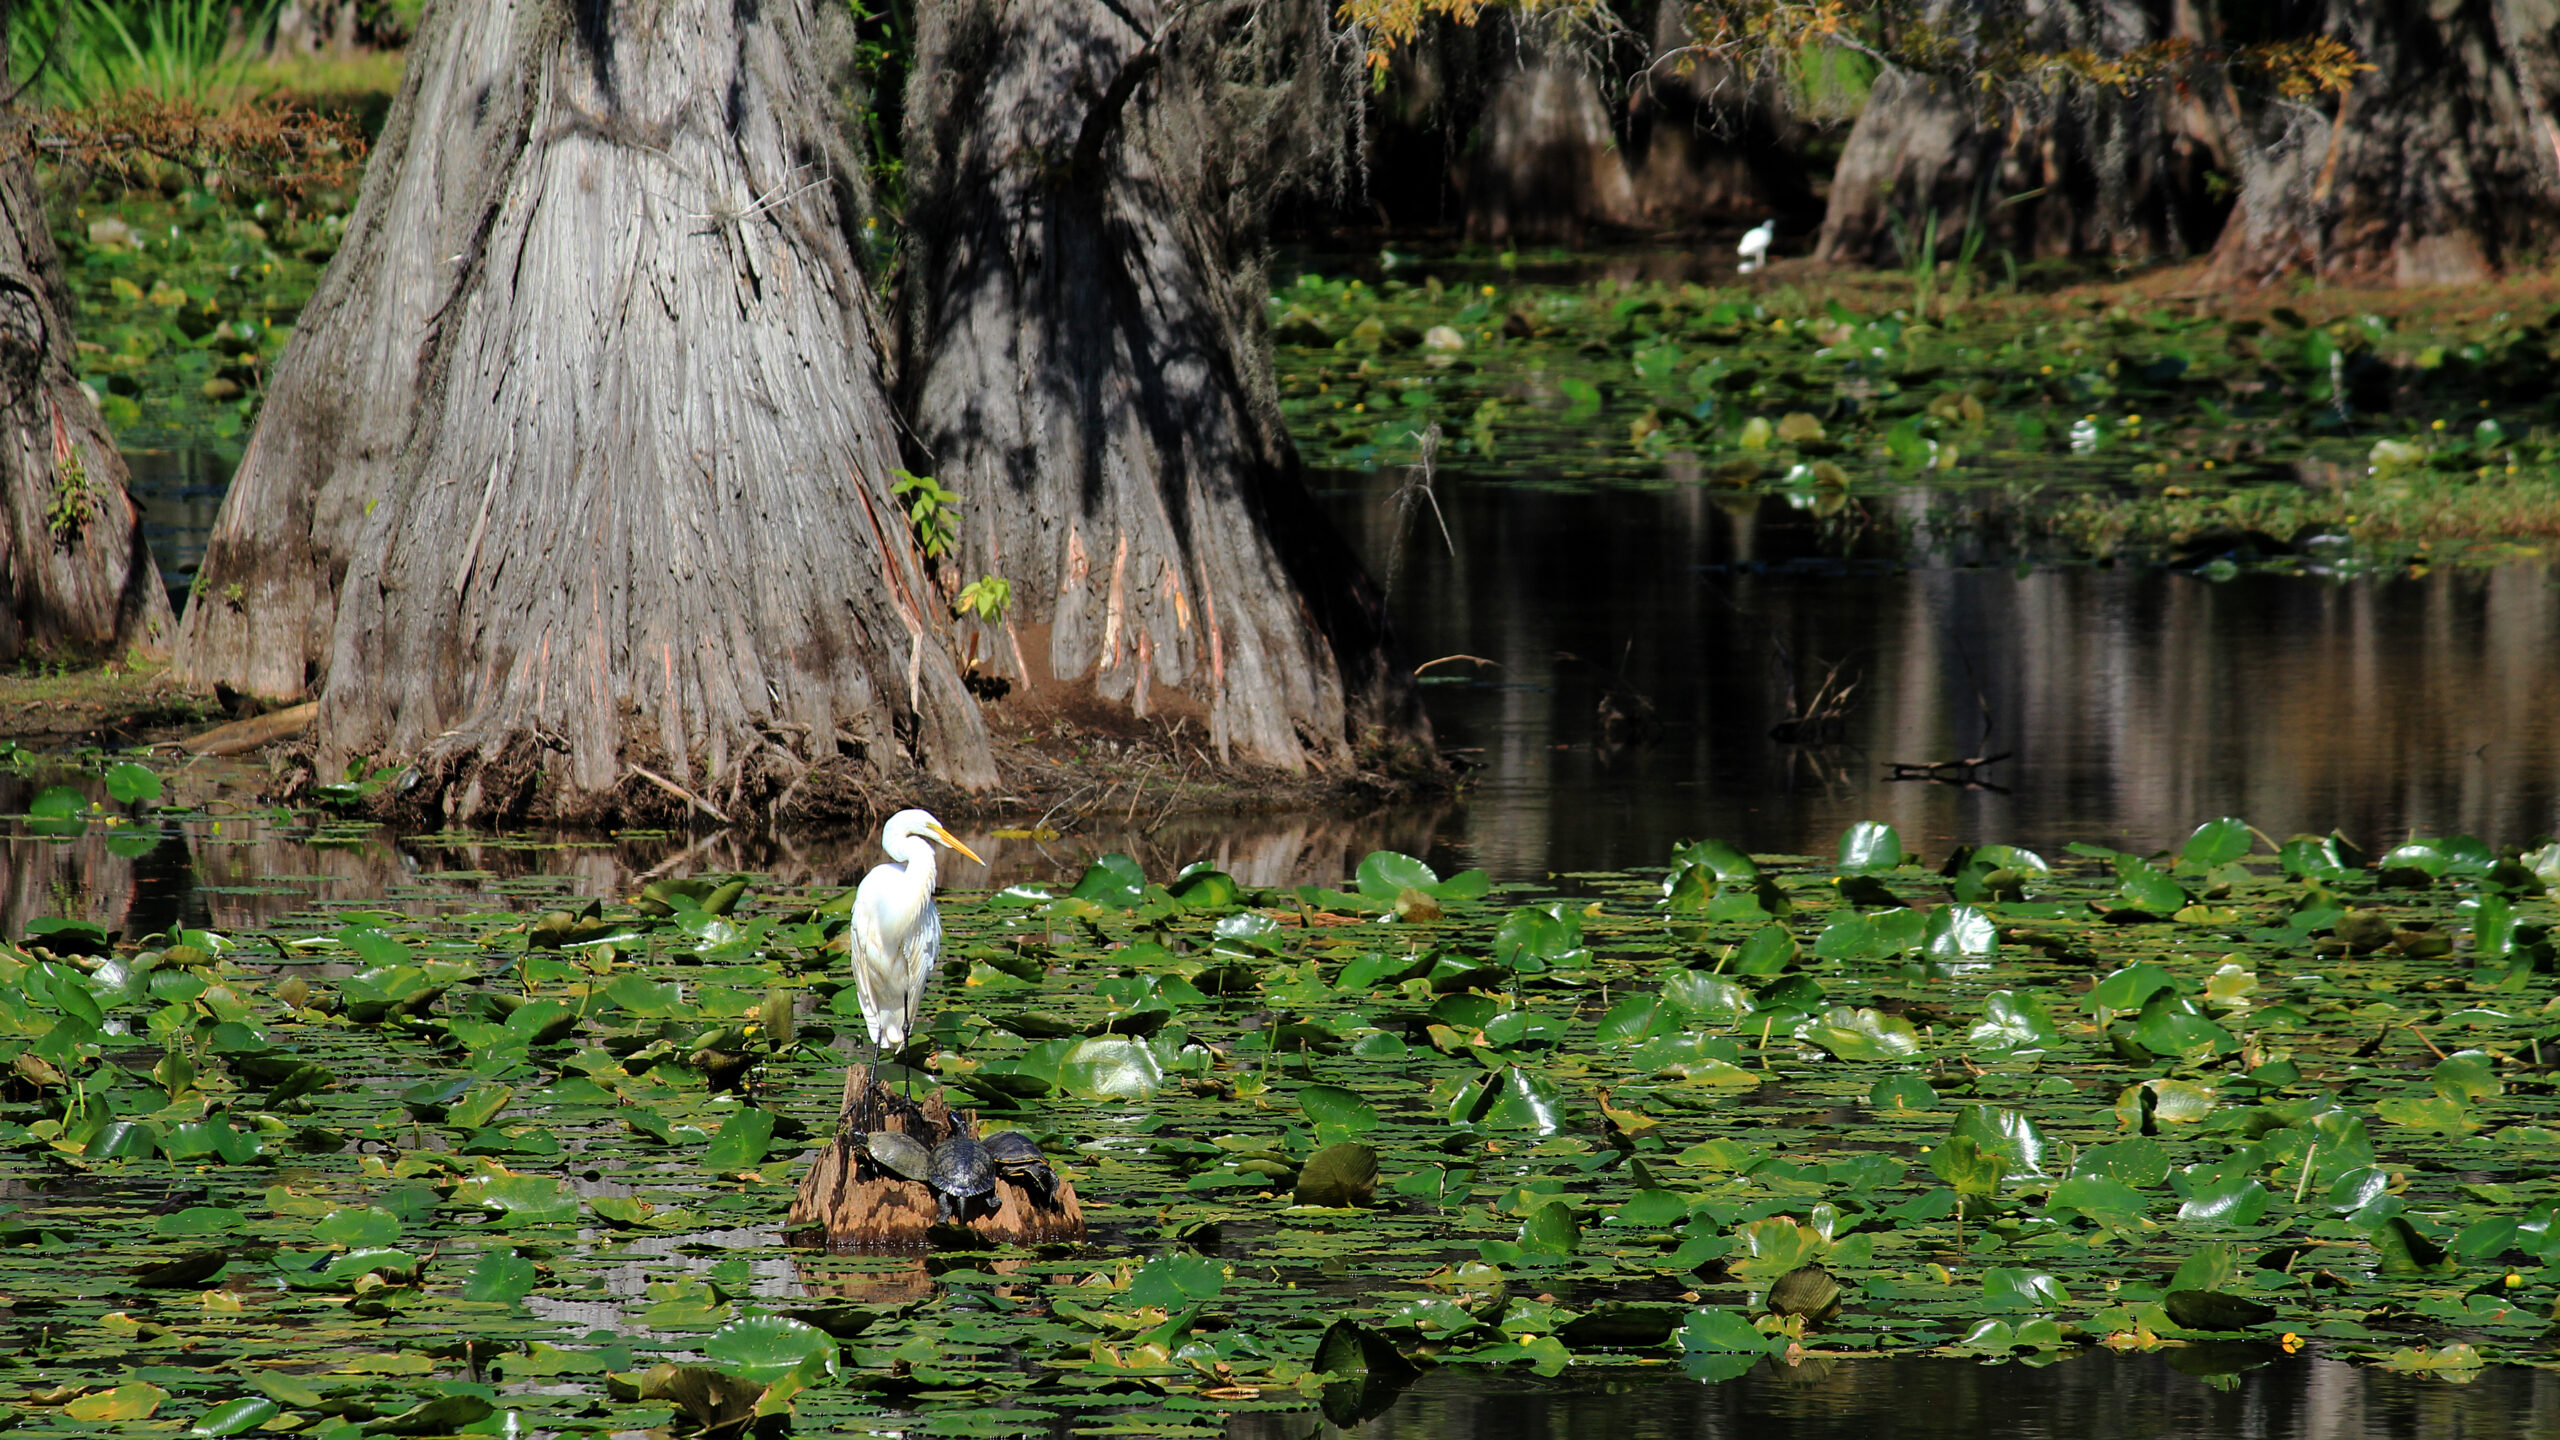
<point>2102,1396</point>
<point>2129,704</point>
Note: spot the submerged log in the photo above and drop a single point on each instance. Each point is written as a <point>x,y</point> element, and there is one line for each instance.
<point>847,1200</point>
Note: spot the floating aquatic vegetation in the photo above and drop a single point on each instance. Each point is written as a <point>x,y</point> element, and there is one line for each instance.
<point>2096,424</point>
<point>365,1171</point>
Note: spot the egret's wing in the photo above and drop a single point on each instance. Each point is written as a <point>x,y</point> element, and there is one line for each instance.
<point>924,952</point>
<point>873,978</point>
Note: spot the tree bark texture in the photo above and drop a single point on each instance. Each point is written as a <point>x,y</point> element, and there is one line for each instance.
<point>2072,170</point>
<point>1088,366</point>
<point>1712,145</point>
<point>596,377</point>
<point>343,395</point>
<point>2046,171</point>
<point>1547,167</point>
<point>2440,166</point>
<point>79,578</point>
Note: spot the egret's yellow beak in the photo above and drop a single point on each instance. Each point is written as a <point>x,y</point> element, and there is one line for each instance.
<point>947,838</point>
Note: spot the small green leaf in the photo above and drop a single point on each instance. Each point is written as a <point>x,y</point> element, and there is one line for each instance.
<point>741,1142</point>
<point>128,783</point>
<point>764,1348</point>
<point>1870,845</point>
<point>1551,1230</point>
<point>502,1277</point>
<point>2216,842</point>
<point>1335,1112</point>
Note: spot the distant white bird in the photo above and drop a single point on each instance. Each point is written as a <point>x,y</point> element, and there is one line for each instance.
<point>897,934</point>
<point>1754,248</point>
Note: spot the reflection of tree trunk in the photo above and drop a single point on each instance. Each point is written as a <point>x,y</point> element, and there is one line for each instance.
<point>1546,166</point>
<point>1091,373</point>
<point>2441,164</point>
<point>79,581</point>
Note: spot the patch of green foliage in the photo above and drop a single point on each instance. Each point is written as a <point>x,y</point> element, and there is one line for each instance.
<point>182,303</point>
<point>83,51</point>
<point>517,1153</point>
<point>2090,424</point>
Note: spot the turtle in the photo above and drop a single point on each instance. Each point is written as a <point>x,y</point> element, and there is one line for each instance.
<point>963,1171</point>
<point>898,1154</point>
<point>1019,1160</point>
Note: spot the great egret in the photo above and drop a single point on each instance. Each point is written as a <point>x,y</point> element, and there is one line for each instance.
<point>897,934</point>
<point>1754,248</point>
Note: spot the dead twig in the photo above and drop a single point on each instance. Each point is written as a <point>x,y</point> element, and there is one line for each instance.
<point>681,793</point>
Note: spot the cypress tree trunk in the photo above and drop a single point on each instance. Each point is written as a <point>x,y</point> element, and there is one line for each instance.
<point>589,414</point>
<point>1711,143</point>
<point>1915,148</point>
<point>79,579</point>
<point>2439,166</point>
<point>1547,167</point>
<point>2069,170</point>
<point>342,396</point>
<point>1089,370</point>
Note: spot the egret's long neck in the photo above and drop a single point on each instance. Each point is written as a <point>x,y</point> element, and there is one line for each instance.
<point>916,853</point>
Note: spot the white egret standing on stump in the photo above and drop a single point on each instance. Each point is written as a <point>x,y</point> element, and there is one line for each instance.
<point>1754,248</point>
<point>897,934</point>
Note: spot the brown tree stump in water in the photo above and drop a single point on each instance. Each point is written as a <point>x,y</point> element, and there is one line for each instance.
<point>846,1201</point>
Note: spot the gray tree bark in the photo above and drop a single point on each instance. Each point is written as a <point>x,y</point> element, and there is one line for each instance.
<point>1089,370</point>
<point>2046,171</point>
<point>1546,166</point>
<point>2439,166</point>
<point>595,374</point>
<point>344,393</point>
<point>80,581</point>
<point>1716,145</point>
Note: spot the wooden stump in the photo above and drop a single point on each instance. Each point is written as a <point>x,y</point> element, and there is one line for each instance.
<point>847,1201</point>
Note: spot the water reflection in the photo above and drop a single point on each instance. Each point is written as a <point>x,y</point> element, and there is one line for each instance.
<point>2094,1396</point>
<point>2132,703</point>
<point>179,492</point>
<point>235,869</point>
<point>2135,701</point>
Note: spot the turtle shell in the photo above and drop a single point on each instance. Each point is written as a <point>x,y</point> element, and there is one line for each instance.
<point>1013,1150</point>
<point>962,1168</point>
<point>901,1155</point>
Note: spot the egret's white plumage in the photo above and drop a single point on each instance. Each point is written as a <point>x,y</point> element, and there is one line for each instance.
<point>1754,248</point>
<point>897,934</point>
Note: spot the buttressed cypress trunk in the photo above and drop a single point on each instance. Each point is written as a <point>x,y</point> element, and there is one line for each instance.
<point>78,577</point>
<point>2439,166</point>
<point>589,412</point>
<point>341,398</point>
<point>1089,370</point>
<point>2074,169</point>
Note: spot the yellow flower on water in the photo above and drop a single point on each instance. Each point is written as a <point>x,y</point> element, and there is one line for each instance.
<point>2291,1342</point>
<point>1487,290</point>
<point>2439,424</point>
